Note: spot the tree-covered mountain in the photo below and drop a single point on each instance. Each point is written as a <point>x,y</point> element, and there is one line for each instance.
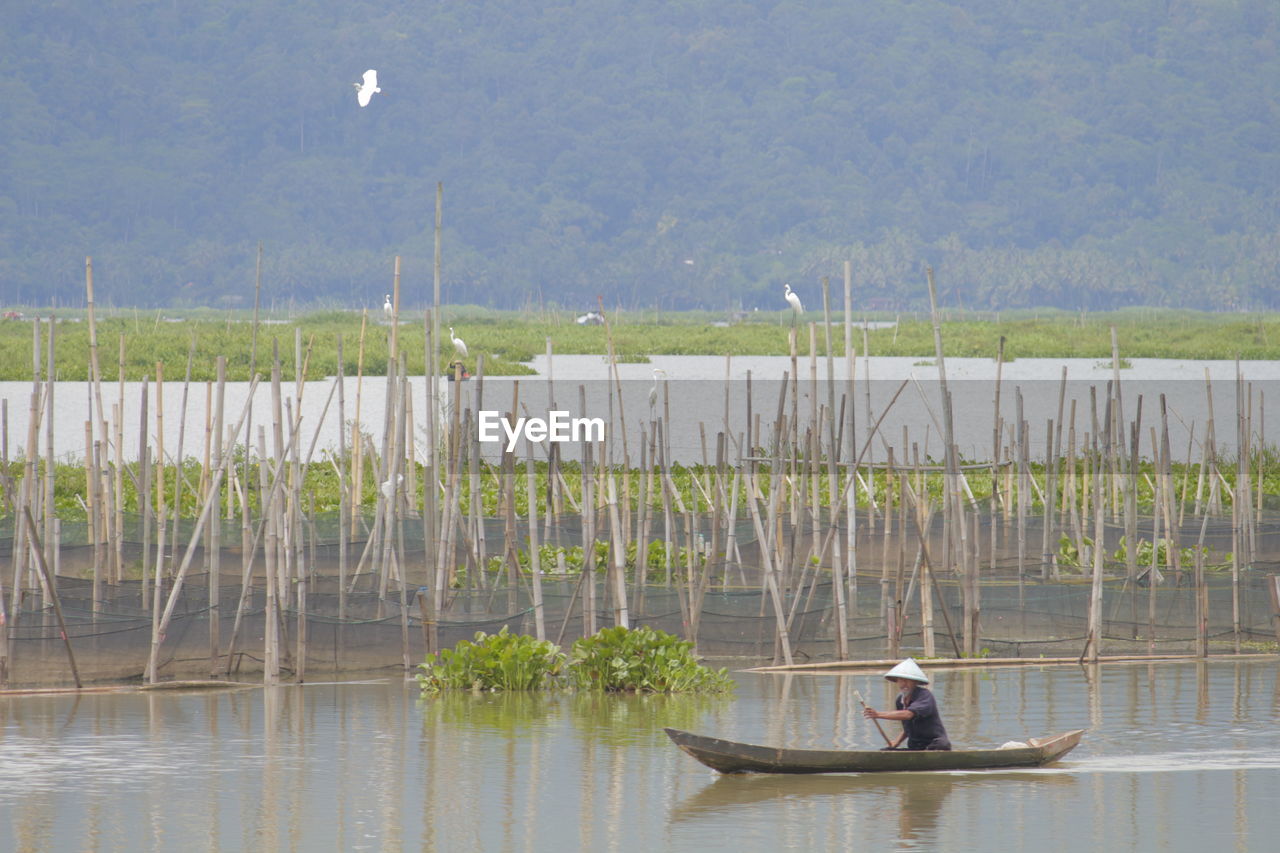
<point>678,153</point>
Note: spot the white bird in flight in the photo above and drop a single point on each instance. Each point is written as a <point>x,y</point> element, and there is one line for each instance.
<point>387,310</point>
<point>792,299</point>
<point>366,90</point>
<point>458,344</point>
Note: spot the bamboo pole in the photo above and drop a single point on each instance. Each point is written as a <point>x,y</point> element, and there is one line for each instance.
<point>345,503</point>
<point>161,511</point>
<point>402,428</point>
<point>215,522</point>
<point>953,499</point>
<point>770,580</point>
<point>49,464</point>
<point>158,635</point>
<point>535,558</point>
<point>618,556</point>
<point>38,550</point>
<point>1093,643</point>
<point>430,475</point>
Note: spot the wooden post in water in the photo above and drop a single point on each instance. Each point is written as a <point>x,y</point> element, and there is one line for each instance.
<point>271,615</point>
<point>851,471</point>
<point>952,503</point>
<point>430,476</point>
<point>403,426</point>
<point>535,561</point>
<point>618,556</point>
<point>1093,642</point>
<point>161,514</point>
<point>49,513</point>
<point>215,521</point>
<point>588,537</point>
<point>833,469</point>
<point>345,502</point>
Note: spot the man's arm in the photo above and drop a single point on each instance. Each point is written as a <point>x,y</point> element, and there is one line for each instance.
<point>890,715</point>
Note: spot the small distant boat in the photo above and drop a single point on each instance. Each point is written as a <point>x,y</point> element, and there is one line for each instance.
<point>728,756</point>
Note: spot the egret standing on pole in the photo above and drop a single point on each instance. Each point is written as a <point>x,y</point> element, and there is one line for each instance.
<point>366,90</point>
<point>458,343</point>
<point>653,391</point>
<point>792,299</point>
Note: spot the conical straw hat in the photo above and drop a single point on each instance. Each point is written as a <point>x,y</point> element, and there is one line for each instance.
<point>908,669</point>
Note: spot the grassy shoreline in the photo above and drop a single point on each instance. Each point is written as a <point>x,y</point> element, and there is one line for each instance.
<point>506,339</point>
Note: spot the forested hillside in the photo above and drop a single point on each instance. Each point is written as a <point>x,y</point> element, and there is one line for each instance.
<point>1088,154</point>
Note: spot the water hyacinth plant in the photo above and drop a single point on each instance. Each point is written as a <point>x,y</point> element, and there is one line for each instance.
<point>501,661</point>
<point>641,659</point>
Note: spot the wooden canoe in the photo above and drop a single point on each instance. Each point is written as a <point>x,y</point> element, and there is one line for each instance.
<point>727,756</point>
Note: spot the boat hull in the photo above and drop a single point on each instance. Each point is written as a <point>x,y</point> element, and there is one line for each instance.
<point>728,756</point>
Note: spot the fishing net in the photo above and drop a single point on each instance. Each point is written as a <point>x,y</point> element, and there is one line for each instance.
<point>1027,606</point>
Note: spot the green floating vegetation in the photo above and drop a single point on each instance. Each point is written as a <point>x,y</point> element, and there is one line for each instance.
<point>642,660</point>
<point>500,661</point>
<point>637,660</point>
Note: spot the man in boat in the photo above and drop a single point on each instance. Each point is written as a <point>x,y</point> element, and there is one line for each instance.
<point>915,706</point>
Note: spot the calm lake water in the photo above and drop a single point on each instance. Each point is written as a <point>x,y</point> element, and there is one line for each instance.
<point>1178,756</point>
<point>696,393</point>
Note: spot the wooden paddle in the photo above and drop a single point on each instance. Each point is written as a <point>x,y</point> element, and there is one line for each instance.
<point>863,702</point>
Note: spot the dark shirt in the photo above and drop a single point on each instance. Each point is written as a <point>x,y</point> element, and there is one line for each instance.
<point>925,729</point>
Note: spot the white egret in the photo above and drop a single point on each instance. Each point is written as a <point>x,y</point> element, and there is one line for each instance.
<point>389,490</point>
<point>653,391</point>
<point>458,343</point>
<point>792,299</point>
<point>387,310</point>
<point>366,90</point>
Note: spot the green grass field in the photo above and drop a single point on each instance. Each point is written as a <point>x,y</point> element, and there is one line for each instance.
<point>506,339</point>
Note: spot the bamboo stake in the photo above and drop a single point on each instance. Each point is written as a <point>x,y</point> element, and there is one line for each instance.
<point>57,606</point>
<point>271,615</point>
<point>49,465</point>
<point>161,512</point>
<point>357,439</point>
<point>618,562</point>
<point>402,427</point>
<point>589,531</point>
<point>535,559</point>
<point>162,626</point>
<point>770,579</point>
<point>345,503</point>
<point>215,523</point>
<point>430,475</point>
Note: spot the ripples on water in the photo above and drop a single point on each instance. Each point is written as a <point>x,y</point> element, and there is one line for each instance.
<point>1178,756</point>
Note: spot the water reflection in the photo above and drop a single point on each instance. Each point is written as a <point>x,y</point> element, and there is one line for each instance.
<point>913,803</point>
<point>1177,755</point>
